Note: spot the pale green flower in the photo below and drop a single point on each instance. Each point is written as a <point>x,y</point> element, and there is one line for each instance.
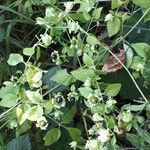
<point>92,144</point>
<point>103,135</point>
<point>42,123</point>
<point>108,17</point>
<point>96,117</point>
<point>73,145</point>
<point>69,6</point>
<point>87,83</point>
<point>127,116</point>
<point>46,39</point>
<point>50,12</point>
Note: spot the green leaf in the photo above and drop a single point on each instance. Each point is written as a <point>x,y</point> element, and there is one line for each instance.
<point>97,13</point>
<point>88,61</point>
<point>134,139</point>
<point>69,116</point>
<point>62,77</point>
<point>147,16</point>
<point>51,84</point>
<point>34,96</point>
<point>113,89</point>
<point>29,51</point>
<point>74,133</point>
<point>9,100</point>
<point>116,4</point>
<point>22,112</point>
<point>35,112</point>
<point>52,136</point>
<point>20,143</point>
<point>146,73</point>
<point>22,128</point>
<point>85,91</point>
<point>86,5</point>
<point>136,61</point>
<point>142,49</point>
<point>92,40</point>
<point>83,74</point>
<point>134,107</point>
<point>15,59</point>
<point>10,88</point>
<point>110,122</point>
<point>87,16</point>
<point>99,108</point>
<point>129,55</point>
<point>48,105</point>
<point>142,3</point>
<point>49,1</point>
<point>144,134</point>
<point>113,26</point>
<point>1,142</point>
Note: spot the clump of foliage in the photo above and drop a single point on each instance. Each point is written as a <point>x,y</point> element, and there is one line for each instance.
<point>74,74</point>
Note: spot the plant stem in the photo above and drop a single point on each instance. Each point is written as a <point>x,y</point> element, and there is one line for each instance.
<point>131,29</point>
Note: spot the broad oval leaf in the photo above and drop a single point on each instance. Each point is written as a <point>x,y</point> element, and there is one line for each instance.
<point>85,91</point>
<point>83,74</point>
<point>92,40</point>
<point>9,100</point>
<point>113,89</point>
<point>142,49</point>
<point>88,61</point>
<point>142,3</point>
<point>129,55</point>
<point>20,143</point>
<point>116,3</point>
<point>134,107</point>
<point>113,26</point>
<point>29,51</point>
<point>74,133</point>
<point>62,77</point>
<point>52,136</point>
<point>69,116</point>
<point>15,59</point>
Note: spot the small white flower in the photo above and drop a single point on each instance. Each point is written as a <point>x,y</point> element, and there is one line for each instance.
<point>79,52</point>
<point>87,83</point>
<point>127,116</point>
<point>117,130</point>
<point>40,20</point>
<point>46,39</point>
<point>108,17</point>
<point>50,12</point>
<point>55,57</point>
<point>73,144</point>
<point>37,77</point>
<point>92,144</point>
<point>91,131</point>
<point>73,26</point>
<point>110,103</point>
<point>69,6</point>
<point>58,114</point>
<point>96,117</point>
<point>104,135</point>
<point>73,96</point>
<point>92,100</point>
<point>42,123</point>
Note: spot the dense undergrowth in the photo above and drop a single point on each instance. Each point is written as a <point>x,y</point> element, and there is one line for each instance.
<point>74,74</point>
